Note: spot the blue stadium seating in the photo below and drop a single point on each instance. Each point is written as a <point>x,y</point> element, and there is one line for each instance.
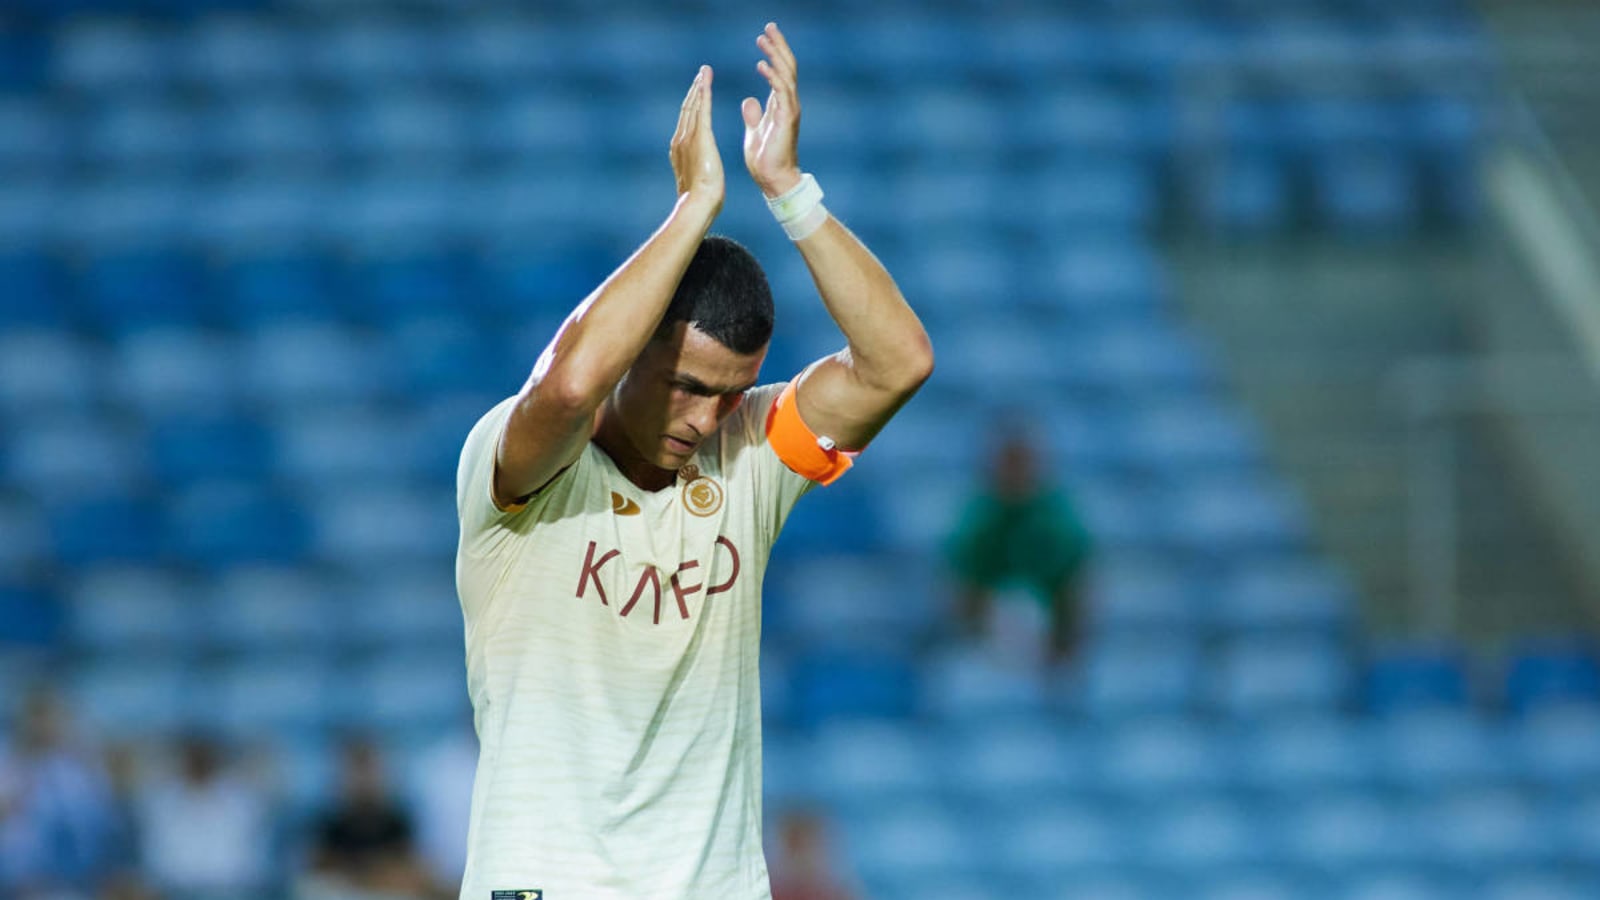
<point>1309,755</point>
<point>866,766</point>
<point>132,697</point>
<point>381,525</point>
<point>1141,676</point>
<point>409,607</point>
<point>1020,763</point>
<point>1551,671</point>
<point>1142,594</point>
<point>28,617</point>
<point>333,447</point>
<point>257,609</point>
<point>22,538</point>
<point>1147,759</point>
<point>447,355</point>
<point>1259,677</point>
<point>33,290</point>
<point>1404,678</point>
<point>289,694</point>
<point>106,528</point>
<point>921,840</point>
<point>838,519</point>
<point>260,213</point>
<point>106,56</point>
<point>968,688</point>
<point>175,373</point>
<point>308,366</point>
<point>1559,746</point>
<point>138,136</point>
<point>120,608</point>
<point>1063,842</point>
<point>184,449</point>
<point>1367,192</point>
<point>1476,833</point>
<point>851,683</point>
<point>268,288</point>
<point>74,456</point>
<point>23,55</point>
<point>412,694</point>
<point>131,290</point>
<point>218,524</point>
<point>1245,193</point>
<point>47,373</point>
<point>264,265</point>
<point>1339,834</point>
<point>1283,594</point>
<point>1197,838</point>
<point>1442,748</point>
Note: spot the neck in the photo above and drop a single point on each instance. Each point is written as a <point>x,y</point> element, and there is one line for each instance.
<point>610,437</point>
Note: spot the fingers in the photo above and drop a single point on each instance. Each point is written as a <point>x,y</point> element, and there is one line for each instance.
<point>695,110</point>
<point>779,71</point>
<point>704,79</point>
<point>751,110</point>
<point>777,46</point>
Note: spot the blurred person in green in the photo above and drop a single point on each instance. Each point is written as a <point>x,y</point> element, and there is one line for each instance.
<point>1020,533</point>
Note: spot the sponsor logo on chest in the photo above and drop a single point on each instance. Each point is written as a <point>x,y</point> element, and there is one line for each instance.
<point>650,587</point>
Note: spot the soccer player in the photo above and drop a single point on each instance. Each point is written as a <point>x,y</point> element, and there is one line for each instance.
<point>616,518</point>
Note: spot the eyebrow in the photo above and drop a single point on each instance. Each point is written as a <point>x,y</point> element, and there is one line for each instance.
<point>700,387</point>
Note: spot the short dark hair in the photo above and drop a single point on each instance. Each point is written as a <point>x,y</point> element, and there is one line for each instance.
<point>725,294</point>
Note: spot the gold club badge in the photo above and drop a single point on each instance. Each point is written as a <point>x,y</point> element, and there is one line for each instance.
<point>701,495</point>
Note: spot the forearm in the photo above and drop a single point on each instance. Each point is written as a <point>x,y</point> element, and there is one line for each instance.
<point>603,336</point>
<point>889,348</point>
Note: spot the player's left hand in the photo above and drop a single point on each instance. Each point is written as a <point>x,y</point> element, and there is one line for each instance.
<point>770,134</point>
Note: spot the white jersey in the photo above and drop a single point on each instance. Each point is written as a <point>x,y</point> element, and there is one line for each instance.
<point>612,637</point>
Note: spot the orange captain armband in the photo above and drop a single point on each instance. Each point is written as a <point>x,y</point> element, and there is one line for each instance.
<point>808,454</point>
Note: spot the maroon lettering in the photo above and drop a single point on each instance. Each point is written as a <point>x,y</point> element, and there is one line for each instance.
<point>594,562</point>
<point>679,591</point>
<point>591,572</point>
<point>733,576</point>
<point>648,576</point>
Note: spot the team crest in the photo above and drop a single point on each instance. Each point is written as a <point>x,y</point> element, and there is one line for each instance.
<point>702,496</point>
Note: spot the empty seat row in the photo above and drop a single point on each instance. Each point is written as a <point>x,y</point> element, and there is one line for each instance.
<point>489,48</point>
<point>1284,763</point>
<point>214,524</point>
<point>276,696</point>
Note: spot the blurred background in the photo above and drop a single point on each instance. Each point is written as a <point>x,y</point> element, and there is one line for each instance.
<point>1289,311</point>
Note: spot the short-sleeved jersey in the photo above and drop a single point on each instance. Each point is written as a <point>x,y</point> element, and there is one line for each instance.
<point>612,637</point>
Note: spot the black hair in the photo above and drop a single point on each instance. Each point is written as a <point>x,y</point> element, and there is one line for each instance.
<point>725,294</point>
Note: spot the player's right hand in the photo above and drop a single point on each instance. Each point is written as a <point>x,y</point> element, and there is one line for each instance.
<point>695,161</point>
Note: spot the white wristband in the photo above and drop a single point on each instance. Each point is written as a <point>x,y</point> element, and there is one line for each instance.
<point>799,209</point>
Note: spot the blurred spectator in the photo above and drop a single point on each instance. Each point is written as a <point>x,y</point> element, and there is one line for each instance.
<point>803,868</point>
<point>206,828</point>
<point>443,782</point>
<point>1020,532</point>
<point>57,817</point>
<point>364,846</point>
<point>125,878</point>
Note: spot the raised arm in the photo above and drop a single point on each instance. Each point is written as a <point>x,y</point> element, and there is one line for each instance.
<point>555,411</point>
<point>850,395</point>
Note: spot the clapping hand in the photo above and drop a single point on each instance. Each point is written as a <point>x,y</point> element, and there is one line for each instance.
<point>695,161</point>
<point>770,134</point>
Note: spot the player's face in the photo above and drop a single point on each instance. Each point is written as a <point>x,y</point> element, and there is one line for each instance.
<point>679,391</point>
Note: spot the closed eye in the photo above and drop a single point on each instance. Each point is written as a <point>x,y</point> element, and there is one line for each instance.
<point>700,389</point>
<point>695,388</point>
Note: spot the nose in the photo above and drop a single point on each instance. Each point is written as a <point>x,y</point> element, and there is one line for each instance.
<point>704,416</point>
